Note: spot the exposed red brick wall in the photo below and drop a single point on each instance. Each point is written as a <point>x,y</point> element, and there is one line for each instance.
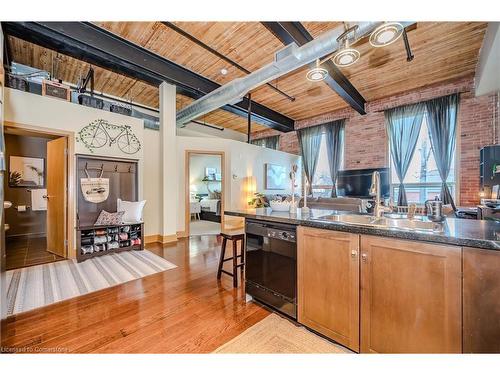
<point>366,143</point>
<point>289,143</point>
<point>476,122</point>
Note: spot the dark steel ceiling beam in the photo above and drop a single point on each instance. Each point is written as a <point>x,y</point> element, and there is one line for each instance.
<point>213,51</point>
<point>90,43</point>
<point>289,32</point>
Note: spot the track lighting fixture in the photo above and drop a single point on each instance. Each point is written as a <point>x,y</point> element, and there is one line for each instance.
<point>317,73</point>
<point>346,55</point>
<point>386,34</point>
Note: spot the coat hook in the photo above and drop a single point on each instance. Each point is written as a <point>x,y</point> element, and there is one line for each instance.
<point>116,168</point>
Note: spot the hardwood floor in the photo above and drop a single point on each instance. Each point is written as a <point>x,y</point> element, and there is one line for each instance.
<point>184,310</point>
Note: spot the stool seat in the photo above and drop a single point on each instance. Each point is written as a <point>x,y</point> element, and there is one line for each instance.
<point>234,236</point>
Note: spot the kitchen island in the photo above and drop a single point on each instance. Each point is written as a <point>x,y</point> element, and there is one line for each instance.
<point>393,290</point>
<point>484,234</point>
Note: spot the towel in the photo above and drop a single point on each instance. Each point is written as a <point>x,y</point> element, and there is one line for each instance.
<point>38,202</point>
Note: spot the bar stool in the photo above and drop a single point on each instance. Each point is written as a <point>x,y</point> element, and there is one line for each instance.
<point>235,237</point>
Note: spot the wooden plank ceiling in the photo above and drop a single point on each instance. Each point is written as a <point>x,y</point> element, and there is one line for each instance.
<point>443,51</point>
<point>70,70</point>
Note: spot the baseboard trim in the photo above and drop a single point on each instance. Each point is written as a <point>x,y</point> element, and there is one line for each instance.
<point>152,238</point>
<point>169,238</point>
<point>182,234</point>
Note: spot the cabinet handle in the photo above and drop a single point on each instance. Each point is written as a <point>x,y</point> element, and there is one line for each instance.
<point>364,257</point>
<point>354,254</point>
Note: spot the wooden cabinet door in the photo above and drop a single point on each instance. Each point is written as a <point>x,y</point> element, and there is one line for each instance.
<point>481,307</point>
<point>410,297</point>
<point>328,284</point>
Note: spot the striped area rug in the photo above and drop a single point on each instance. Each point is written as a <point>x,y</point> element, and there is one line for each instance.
<point>32,287</point>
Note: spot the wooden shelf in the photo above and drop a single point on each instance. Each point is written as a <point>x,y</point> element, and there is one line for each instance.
<point>88,227</point>
<point>88,232</point>
<point>83,257</point>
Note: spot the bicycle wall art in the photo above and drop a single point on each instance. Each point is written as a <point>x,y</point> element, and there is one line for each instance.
<point>99,133</point>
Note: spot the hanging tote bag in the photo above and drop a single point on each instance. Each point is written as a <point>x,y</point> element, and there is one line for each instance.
<point>95,189</point>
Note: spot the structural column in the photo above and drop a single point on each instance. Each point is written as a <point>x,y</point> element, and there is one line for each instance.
<point>169,167</point>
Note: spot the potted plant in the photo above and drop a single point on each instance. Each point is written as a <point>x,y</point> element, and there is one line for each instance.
<point>258,201</point>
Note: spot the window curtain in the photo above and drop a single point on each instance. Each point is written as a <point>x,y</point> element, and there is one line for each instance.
<point>334,132</point>
<point>442,124</point>
<point>309,142</point>
<point>268,142</point>
<point>403,127</point>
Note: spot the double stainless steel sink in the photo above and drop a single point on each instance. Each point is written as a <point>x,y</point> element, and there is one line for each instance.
<point>388,222</point>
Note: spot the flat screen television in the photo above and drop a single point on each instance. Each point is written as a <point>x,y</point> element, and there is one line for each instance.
<point>356,183</point>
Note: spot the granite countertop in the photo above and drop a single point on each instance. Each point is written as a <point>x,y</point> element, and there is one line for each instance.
<point>483,234</point>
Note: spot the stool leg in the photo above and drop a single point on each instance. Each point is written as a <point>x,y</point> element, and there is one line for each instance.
<point>243,250</point>
<point>242,257</point>
<point>235,263</point>
<point>221,260</point>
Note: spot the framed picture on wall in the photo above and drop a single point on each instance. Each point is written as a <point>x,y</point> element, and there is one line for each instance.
<point>26,172</point>
<point>210,173</point>
<point>276,177</point>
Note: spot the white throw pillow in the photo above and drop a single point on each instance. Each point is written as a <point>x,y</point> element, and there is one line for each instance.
<point>133,210</point>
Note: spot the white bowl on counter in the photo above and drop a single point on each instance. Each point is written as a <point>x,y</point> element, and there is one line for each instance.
<point>280,206</point>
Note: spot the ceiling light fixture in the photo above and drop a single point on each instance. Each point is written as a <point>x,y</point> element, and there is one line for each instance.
<point>317,73</point>
<point>346,55</point>
<point>386,34</point>
<point>223,71</point>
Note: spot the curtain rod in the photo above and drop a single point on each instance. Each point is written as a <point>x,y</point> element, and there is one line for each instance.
<point>421,101</point>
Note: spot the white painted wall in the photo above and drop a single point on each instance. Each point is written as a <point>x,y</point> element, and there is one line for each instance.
<point>153,214</point>
<point>44,112</point>
<point>41,111</point>
<point>168,159</point>
<point>195,130</point>
<point>488,70</point>
<point>241,160</point>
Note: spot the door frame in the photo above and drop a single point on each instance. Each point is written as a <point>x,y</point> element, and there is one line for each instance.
<point>187,159</point>
<point>70,250</point>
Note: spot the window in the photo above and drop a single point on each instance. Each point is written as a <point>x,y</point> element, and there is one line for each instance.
<point>422,179</point>
<point>269,142</point>
<point>322,182</point>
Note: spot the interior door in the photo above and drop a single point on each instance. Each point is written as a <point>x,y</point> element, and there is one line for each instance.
<point>56,196</point>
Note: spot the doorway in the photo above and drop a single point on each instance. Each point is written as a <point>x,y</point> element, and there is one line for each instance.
<point>35,190</point>
<point>204,192</point>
